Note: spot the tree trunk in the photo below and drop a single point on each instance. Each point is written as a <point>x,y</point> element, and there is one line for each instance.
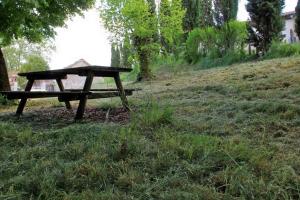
<point>145,72</point>
<point>4,81</point>
<point>144,58</point>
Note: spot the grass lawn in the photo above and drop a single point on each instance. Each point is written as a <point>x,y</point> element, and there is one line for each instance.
<point>223,133</point>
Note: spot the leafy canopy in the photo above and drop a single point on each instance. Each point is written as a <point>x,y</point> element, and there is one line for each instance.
<point>35,19</point>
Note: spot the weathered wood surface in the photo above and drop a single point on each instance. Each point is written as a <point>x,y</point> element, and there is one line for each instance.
<point>97,95</point>
<point>83,99</point>
<point>23,101</point>
<point>36,95</point>
<point>61,88</point>
<point>81,71</point>
<point>71,95</point>
<point>104,90</point>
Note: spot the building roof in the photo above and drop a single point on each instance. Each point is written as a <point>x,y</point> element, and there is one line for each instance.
<point>79,63</point>
<point>289,15</point>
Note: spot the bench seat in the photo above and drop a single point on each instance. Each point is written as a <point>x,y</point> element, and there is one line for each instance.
<point>99,94</point>
<point>34,95</point>
<point>67,95</point>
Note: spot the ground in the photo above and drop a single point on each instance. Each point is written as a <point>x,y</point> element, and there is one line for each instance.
<point>223,133</point>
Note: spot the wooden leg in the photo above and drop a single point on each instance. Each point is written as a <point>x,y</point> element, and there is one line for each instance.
<point>83,100</point>
<point>24,100</point>
<point>61,88</point>
<point>121,91</point>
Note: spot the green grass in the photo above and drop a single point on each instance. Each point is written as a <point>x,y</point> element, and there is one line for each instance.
<point>224,133</point>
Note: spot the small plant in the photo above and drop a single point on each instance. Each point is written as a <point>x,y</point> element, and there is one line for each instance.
<point>154,115</point>
<point>3,100</point>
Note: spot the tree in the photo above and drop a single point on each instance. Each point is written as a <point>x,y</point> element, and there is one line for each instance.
<point>126,53</point>
<point>17,53</point>
<point>199,14</point>
<point>115,56</point>
<point>266,22</point>
<point>33,63</point>
<point>136,20</point>
<point>33,20</point>
<point>225,11</point>
<point>297,22</point>
<point>190,18</point>
<point>171,14</point>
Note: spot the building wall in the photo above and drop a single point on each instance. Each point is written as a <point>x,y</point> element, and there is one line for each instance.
<point>289,33</point>
<point>77,82</point>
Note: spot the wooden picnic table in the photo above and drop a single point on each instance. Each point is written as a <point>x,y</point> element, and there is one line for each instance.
<point>66,96</point>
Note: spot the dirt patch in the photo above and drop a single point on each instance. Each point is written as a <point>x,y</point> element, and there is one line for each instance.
<point>62,115</point>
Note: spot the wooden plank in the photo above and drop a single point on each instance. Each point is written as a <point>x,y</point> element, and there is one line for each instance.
<point>121,91</point>
<point>82,71</point>
<point>37,95</point>
<point>83,100</point>
<point>104,90</point>
<point>61,88</point>
<point>101,95</point>
<point>23,101</point>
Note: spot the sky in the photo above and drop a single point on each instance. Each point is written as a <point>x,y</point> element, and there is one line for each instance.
<point>86,38</point>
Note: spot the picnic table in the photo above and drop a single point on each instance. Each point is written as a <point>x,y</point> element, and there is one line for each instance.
<point>81,95</point>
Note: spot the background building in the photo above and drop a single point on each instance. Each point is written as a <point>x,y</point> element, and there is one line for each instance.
<point>289,33</point>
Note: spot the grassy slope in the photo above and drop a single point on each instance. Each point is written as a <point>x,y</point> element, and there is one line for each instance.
<point>225,133</point>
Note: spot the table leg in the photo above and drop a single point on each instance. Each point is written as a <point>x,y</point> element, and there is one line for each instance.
<point>61,88</point>
<point>24,100</point>
<point>121,91</point>
<point>83,100</point>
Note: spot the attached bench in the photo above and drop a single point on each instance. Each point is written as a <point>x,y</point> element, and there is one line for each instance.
<point>36,95</point>
<point>66,96</point>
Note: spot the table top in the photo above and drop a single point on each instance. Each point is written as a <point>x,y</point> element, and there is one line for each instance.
<point>81,71</point>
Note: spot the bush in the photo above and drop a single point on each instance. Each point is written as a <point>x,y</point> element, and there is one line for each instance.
<point>215,42</point>
<point>279,50</point>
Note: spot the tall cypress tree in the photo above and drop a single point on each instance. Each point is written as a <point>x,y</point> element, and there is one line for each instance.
<point>164,10</point>
<point>225,10</point>
<point>115,56</point>
<point>126,53</point>
<point>297,22</point>
<point>199,13</point>
<point>204,13</point>
<point>266,22</point>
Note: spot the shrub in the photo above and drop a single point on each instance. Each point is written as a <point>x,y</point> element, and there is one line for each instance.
<point>215,42</point>
<point>279,49</point>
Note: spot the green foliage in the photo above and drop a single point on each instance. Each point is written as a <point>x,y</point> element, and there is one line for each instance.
<point>226,60</point>
<point>153,115</point>
<point>279,49</point>
<point>225,11</point>
<point>134,20</point>
<point>199,14</point>
<point>35,20</point>
<point>266,22</point>
<point>214,42</point>
<point>171,14</point>
<point>3,100</point>
<point>297,20</point>
<point>18,52</point>
<point>127,55</point>
<point>115,56</point>
<point>33,63</point>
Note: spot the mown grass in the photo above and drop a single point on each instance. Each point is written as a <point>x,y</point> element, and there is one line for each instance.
<point>226,133</point>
